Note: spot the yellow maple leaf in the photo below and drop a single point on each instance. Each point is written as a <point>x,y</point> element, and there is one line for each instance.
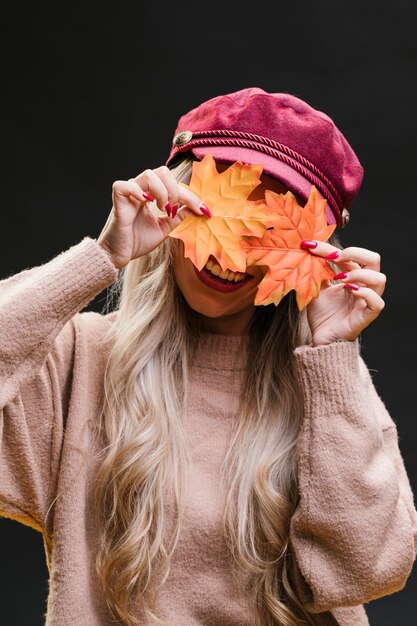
<point>289,266</point>
<point>233,215</point>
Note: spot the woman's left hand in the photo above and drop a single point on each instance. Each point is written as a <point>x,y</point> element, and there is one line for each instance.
<point>341,311</point>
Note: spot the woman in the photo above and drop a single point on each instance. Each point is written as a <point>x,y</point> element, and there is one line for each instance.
<point>191,458</point>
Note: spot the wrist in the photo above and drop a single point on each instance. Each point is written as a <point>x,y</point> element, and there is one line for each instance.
<point>326,342</point>
<point>108,252</point>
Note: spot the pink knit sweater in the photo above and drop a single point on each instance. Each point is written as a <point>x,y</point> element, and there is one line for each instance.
<point>353,534</point>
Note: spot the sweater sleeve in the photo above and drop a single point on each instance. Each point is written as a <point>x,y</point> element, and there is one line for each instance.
<point>353,535</point>
<point>37,311</point>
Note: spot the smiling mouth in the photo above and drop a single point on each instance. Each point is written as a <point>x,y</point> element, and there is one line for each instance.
<point>225,281</point>
<point>213,268</point>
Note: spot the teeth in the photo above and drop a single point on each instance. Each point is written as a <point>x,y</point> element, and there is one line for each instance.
<point>215,269</point>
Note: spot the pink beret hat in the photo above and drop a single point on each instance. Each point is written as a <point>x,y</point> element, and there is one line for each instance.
<point>296,144</point>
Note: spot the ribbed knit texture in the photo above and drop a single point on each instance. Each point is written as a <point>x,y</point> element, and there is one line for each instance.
<point>353,535</point>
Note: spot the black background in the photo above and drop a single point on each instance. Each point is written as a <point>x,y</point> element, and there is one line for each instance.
<point>92,94</point>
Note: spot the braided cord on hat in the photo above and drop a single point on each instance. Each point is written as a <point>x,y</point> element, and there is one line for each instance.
<point>280,151</point>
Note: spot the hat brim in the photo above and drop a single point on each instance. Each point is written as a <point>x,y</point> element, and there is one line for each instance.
<point>292,179</point>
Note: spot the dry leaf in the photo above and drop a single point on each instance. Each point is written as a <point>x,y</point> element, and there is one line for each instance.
<point>290,267</point>
<point>233,216</point>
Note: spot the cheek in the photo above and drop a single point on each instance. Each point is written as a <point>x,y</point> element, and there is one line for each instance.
<point>258,271</point>
<point>189,284</point>
<point>183,272</point>
<point>182,276</point>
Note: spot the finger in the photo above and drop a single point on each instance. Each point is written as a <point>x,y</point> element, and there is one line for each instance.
<point>128,188</point>
<point>167,224</point>
<point>364,277</point>
<point>189,199</point>
<point>374,303</point>
<point>364,257</point>
<point>332,254</point>
<point>149,181</point>
<point>171,186</point>
<point>351,256</point>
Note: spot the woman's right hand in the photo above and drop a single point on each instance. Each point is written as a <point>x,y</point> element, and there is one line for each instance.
<point>132,229</point>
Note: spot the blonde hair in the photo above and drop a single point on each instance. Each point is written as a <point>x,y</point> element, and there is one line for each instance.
<point>142,451</point>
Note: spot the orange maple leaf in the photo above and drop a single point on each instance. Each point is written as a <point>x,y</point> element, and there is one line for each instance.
<point>290,267</point>
<point>233,215</point>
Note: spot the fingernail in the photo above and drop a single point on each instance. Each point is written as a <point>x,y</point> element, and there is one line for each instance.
<point>174,209</point>
<point>354,287</point>
<point>339,276</point>
<point>147,196</point>
<point>332,255</point>
<point>168,208</point>
<point>205,209</point>
<point>308,244</point>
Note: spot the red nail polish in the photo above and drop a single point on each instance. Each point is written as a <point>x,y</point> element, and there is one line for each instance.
<point>205,210</point>
<point>168,209</point>
<point>332,255</point>
<point>339,276</point>
<point>354,287</point>
<point>147,196</point>
<point>307,243</point>
<point>174,210</point>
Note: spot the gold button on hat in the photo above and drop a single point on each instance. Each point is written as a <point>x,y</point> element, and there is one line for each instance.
<point>182,138</point>
<point>345,217</point>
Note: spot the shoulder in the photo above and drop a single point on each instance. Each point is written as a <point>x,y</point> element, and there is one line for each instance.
<point>93,330</point>
<point>92,324</point>
<point>86,333</point>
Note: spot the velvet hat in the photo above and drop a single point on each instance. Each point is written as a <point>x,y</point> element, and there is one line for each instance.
<point>296,144</point>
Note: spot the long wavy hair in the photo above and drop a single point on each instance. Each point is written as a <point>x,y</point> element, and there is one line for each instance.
<point>141,444</point>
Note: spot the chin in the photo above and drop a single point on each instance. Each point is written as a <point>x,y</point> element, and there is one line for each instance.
<point>213,311</point>
<point>207,311</point>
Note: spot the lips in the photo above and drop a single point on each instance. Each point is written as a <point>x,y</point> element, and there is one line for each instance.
<point>220,284</point>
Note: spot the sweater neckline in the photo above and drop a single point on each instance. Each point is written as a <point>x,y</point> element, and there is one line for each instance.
<point>221,352</point>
